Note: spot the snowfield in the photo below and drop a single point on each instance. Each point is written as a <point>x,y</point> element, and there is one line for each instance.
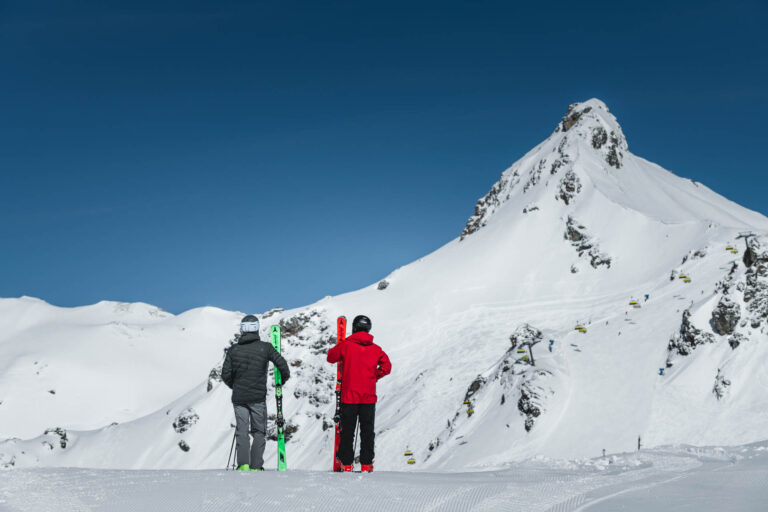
<point>593,301</point>
<point>705,480</point>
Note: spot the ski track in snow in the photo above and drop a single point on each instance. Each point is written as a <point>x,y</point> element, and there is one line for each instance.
<point>651,481</point>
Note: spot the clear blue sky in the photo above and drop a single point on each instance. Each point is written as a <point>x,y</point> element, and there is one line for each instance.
<point>247,156</point>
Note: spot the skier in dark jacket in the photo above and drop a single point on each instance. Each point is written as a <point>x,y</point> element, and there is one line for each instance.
<point>364,363</point>
<point>245,371</point>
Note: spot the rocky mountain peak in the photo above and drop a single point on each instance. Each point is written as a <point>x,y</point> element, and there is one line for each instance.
<point>593,122</point>
<point>587,127</point>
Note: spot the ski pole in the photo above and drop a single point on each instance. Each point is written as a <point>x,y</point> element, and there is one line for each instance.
<point>230,451</point>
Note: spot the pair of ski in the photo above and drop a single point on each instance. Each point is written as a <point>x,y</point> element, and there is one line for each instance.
<point>274,335</point>
<point>341,335</point>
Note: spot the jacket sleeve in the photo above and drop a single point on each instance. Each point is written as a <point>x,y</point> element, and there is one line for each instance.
<point>384,366</point>
<point>226,370</point>
<point>334,354</point>
<point>279,362</point>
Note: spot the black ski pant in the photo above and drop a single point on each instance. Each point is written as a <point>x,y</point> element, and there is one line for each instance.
<point>350,414</point>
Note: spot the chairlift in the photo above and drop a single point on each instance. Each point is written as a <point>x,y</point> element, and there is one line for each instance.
<point>467,402</point>
<point>411,461</point>
<point>525,358</point>
<point>470,411</point>
<point>729,247</point>
<point>521,351</point>
<point>408,453</point>
<point>735,251</point>
<point>687,280</point>
<point>682,276</point>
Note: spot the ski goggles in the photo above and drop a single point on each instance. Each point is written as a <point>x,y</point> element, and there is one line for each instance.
<point>249,327</point>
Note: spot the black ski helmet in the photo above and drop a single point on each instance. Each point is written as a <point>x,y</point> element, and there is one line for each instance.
<point>361,323</point>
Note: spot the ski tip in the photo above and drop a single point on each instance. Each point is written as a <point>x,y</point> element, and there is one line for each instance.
<point>275,329</point>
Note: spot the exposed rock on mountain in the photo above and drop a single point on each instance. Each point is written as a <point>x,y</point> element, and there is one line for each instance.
<point>530,208</point>
<point>725,316</point>
<point>580,240</point>
<point>756,290</point>
<point>185,421</point>
<point>528,406</point>
<point>688,338</point>
<point>60,433</point>
<point>736,340</point>
<point>485,206</point>
<point>570,185</point>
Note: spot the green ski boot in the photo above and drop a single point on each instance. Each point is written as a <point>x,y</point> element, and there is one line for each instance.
<point>257,469</point>
<point>244,467</point>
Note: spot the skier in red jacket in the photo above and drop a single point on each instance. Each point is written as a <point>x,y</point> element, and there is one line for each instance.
<point>364,363</point>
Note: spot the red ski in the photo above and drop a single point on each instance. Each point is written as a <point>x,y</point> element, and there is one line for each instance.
<point>341,335</point>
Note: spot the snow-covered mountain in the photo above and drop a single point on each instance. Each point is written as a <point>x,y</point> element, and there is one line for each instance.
<point>666,280</point>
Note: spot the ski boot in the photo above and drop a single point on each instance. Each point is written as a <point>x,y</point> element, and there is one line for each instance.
<point>366,468</point>
<point>244,467</point>
<point>257,469</point>
<point>348,468</point>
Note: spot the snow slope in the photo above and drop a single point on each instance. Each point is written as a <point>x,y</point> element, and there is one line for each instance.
<point>87,367</point>
<point>677,479</point>
<point>569,235</point>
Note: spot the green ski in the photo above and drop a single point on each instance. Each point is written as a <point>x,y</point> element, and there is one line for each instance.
<point>274,334</point>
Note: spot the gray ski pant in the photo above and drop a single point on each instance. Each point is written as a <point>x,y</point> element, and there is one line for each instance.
<point>255,416</point>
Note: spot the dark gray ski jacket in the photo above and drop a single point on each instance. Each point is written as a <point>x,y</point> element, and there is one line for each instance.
<point>245,368</point>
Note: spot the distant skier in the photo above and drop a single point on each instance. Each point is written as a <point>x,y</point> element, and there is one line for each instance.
<point>245,371</point>
<point>364,363</point>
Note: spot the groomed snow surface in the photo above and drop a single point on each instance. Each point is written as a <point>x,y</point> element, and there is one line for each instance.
<point>679,479</point>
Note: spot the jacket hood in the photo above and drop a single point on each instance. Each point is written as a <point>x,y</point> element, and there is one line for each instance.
<point>248,337</point>
<point>361,338</point>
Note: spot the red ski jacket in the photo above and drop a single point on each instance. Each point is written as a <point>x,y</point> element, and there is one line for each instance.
<point>364,363</point>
